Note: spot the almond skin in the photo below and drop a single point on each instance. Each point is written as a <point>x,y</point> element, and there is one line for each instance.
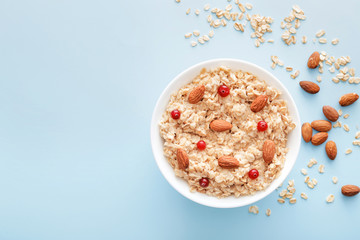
<point>196,94</point>
<point>330,113</point>
<point>220,125</point>
<point>268,151</point>
<point>309,87</point>
<point>331,149</point>
<point>314,60</point>
<point>306,132</point>
<point>321,125</point>
<point>319,138</point>
<point>259,103</point>
<point>350,190</point>
<point>228,162</point>
<point>348,99</point>
<point>182,159</point>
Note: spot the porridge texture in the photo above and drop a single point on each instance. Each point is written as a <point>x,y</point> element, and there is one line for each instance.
<point>228,124</point>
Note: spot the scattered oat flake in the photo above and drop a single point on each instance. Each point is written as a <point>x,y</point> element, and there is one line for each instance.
<point>211,33</point>
<point>357,135</point>
<point>312,162</point>
<point>318,78</point>
<point>307,178</point>
<point>321,168</point>
<point>289,69</point>
<point>197,12</point>
<point>268,212</point>
<point>356,143</point>
<point>188,11</point>
<point>187,35</point>
<point>254,209</point>
<point>320,33</point>
<point>337,124</point>
<point>291,183</point>
<point>292,200</point>
<point>304,196</point>
<point>334,180</point>
<point>193,43</point>
<point>248,6</point>
<point>340,112</point>
<point>335,41</point>
<point>330,198</point>
<point>346,116</point>
<point>352,72</point>
<point>304,39</point>
<point>177,1</point>
<point>346,127</point>
<point>196,33</point>
<point>348,151</point>
<point>280,200</point>
<point>314,181</point>
<point>310,184</point>
<point>270,40</point>
<point>322,40</point>
<point>304,171</point>
<point>283,193</point>
<point>207,7</point>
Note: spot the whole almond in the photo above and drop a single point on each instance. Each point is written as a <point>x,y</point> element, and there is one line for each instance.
<point>350,190</point>
<point>220,125</point>
<point>182,159</point>
<point>314,60</point>
<point>321,125</point>
<point>306,132</point>
<point>319,138</point>
<point>228,162</point>
<point>348,99</point>
<point>268,151</point>
<point>331,149</point>
<point>196,94</point>
<point>330,113</point>
<point>309,87</point>
<point>259,103</point>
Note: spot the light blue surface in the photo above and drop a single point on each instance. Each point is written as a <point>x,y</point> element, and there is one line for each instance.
<point>79,80</point>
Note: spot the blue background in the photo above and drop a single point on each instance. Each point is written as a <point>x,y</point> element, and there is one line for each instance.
<point>78,83</point>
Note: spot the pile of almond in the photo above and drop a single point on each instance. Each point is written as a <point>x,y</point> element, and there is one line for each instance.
<point>323,126</point>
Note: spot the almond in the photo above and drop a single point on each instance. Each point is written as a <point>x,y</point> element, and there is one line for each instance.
<point>220,125</point>
<point>319,138</point>
<point>330,113</point>
<point>314,60</point>
<point>331,149</point>
<point>348,99</point>
<point>259,103</point>
<point>196,94</point>
<point>350,190</point>
<point>309,87</point>
<point>306,132</point>
<point>182,159</point>
<point>268,151</point>
<point>321,125</point>
<point>228,162</point>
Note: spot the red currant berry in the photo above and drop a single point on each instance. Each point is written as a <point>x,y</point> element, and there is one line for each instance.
<point>223,90</point>
<point>204,182</point>
<point>175,114</point>
<point>262,126</point>
<point>201,145</point>
<point>253,174</point>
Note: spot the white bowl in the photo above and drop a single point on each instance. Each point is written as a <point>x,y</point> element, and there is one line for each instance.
<point>294,138</point>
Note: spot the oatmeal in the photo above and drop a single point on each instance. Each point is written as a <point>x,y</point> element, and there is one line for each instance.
<point>225,112</point>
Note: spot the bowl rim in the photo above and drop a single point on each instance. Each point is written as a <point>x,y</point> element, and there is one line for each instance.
<point>154,130</point>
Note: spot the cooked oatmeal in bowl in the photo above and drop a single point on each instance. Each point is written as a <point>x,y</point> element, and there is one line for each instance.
<point>225,133</point>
